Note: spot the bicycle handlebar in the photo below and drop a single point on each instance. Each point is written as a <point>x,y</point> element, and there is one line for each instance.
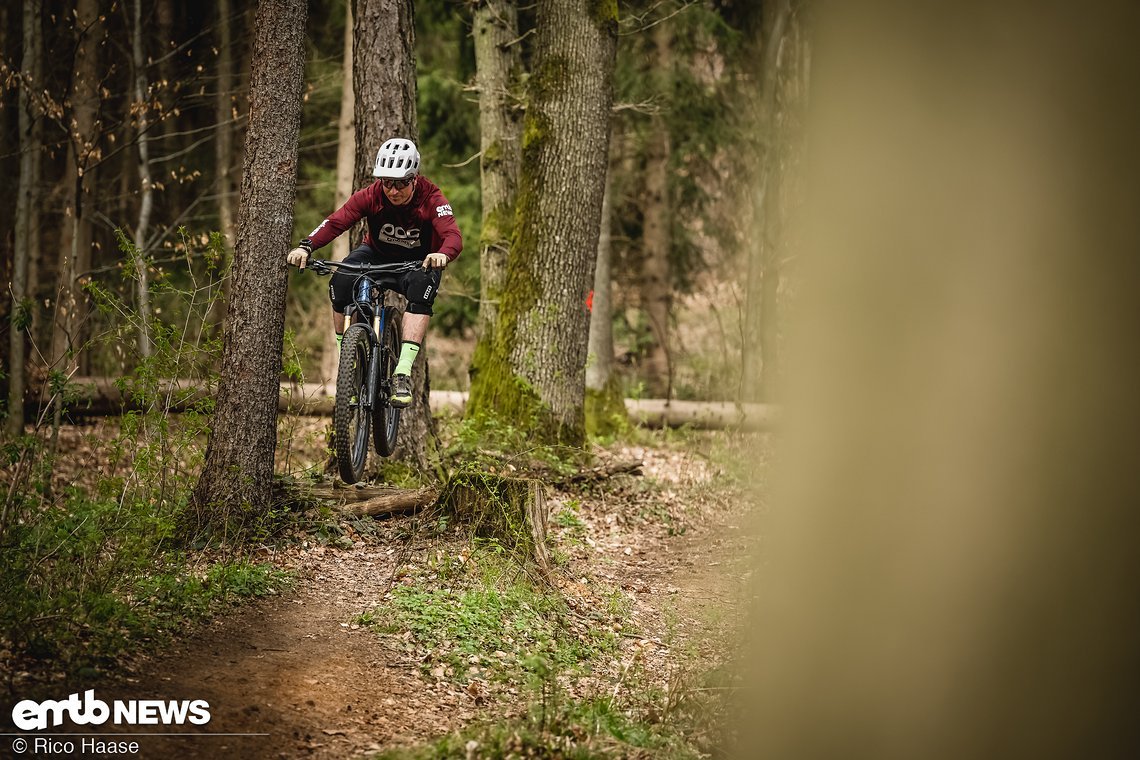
<point>323,266</point>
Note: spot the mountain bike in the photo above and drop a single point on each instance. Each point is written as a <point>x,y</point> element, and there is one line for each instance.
<point>369,350</point>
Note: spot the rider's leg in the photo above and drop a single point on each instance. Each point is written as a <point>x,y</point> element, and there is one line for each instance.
<point>414,330</point>
<point>420,288</point>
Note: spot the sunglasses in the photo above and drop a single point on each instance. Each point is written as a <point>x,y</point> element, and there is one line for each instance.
<point>397,184</point>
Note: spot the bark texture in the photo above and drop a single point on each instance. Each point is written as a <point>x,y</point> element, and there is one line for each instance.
<point>384,83</point>
<point>497,69</point>
<point>236,483</point>
<point>534,369</point>
<point>27,217</point>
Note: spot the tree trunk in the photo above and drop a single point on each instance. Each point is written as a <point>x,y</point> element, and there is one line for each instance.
<point>345,157</point>
<point>146,188</point>
<point>605,407</point>
<point>656,281</point>
<point>498,65</point>
<point>535,373</point>
<point>759,347</point>
<point>600,347</point>
<point>82,151</point>
<point>27,217</point>
<point>236,483</point>
<point>224,115</point>
<point>384,84</point>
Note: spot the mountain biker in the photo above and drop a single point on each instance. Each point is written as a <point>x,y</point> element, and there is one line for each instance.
<point>408,219</point>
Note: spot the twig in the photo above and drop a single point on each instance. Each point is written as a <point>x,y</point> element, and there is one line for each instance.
<point>464,163</point>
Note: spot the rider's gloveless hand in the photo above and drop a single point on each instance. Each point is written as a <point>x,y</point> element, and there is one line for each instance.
<point>298,257</point>
<point>436,261</point>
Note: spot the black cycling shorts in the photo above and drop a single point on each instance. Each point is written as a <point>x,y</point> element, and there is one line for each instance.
<point>419,286</point>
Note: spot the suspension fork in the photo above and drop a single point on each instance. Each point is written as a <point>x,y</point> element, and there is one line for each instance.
<point>379,317</point>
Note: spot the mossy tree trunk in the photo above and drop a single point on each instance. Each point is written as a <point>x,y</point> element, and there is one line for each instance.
<point>384,84</point>
<point>533,368</point>
<point>498,67</point>
<point>235,487</point>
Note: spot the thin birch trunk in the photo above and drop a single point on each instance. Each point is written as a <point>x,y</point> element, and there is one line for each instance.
<point>146,186</point>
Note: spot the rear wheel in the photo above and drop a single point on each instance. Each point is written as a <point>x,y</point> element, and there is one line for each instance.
<point>385,419</point>
<point>350,418</point>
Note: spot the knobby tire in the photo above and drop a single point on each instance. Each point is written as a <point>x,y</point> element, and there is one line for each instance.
<point>350,421</point>
<point>386,419</point>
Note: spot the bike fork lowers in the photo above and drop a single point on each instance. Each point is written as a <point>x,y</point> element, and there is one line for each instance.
<point>377,358</point>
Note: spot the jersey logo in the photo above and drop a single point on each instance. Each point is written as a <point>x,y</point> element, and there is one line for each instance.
<point>318,229</point>
<point>444,210</point>
<point>394,235</point>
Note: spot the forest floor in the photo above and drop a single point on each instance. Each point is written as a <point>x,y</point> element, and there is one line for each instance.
<point>650,578</point>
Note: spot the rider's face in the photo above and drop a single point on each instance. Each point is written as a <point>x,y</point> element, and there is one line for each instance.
<point>398,195</point>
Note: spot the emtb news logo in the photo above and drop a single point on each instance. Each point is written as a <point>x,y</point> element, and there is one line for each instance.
<point>30,715</point>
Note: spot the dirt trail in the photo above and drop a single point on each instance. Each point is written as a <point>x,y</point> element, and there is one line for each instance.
<point>294,670</point>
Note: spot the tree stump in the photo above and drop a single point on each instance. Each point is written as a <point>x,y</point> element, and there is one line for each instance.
<point>512,511</point>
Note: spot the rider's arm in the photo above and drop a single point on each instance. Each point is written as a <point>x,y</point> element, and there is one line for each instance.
<point>446,237</point>
<point>355,208</point>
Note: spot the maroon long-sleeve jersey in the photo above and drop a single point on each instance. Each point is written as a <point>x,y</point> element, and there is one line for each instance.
<point>410,232</point>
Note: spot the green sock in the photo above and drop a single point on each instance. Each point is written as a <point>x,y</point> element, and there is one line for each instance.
<point>339,338</point>
<point>408,353</point>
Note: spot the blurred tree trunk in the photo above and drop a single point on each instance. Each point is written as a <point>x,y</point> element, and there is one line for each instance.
<point>82,152</point>
<point>27,215</point>
<point>226,108</point>
<point>345,158</point>
<point>223,116</point>
<point>384,84</point>
<point>656,281</point>
<point>533,370</point>
<point>146,187</point>
<point>760,318</point>
<point>498,67</point>
<point>605,401</point>
<point>235,486</point>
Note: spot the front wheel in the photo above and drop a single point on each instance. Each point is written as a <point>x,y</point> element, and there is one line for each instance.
<point>386,419</point>
<point>350,417</point>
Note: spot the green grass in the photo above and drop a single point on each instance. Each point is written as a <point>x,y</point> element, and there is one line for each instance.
<point>498,634</point>
<point>558,728</point>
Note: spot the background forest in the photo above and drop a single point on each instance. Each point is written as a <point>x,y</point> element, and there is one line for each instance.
<point>134,147</point>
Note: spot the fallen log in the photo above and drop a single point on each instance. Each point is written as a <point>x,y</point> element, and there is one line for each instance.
<point>101,396</point>
<point>400,500</point>
<point>357,501</point>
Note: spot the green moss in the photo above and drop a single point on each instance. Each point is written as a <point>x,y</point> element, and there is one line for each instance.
<point>493,154</point>
<point>605,410</point>
<point>605,14</point>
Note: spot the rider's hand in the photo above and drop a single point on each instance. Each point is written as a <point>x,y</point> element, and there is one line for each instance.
<point>436,261</point>
<point>298,257</point>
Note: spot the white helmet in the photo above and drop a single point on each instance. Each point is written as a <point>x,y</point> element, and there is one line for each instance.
<point>397,159</point>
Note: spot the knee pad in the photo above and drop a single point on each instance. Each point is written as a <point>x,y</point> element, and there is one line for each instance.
<point>420,287</point>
